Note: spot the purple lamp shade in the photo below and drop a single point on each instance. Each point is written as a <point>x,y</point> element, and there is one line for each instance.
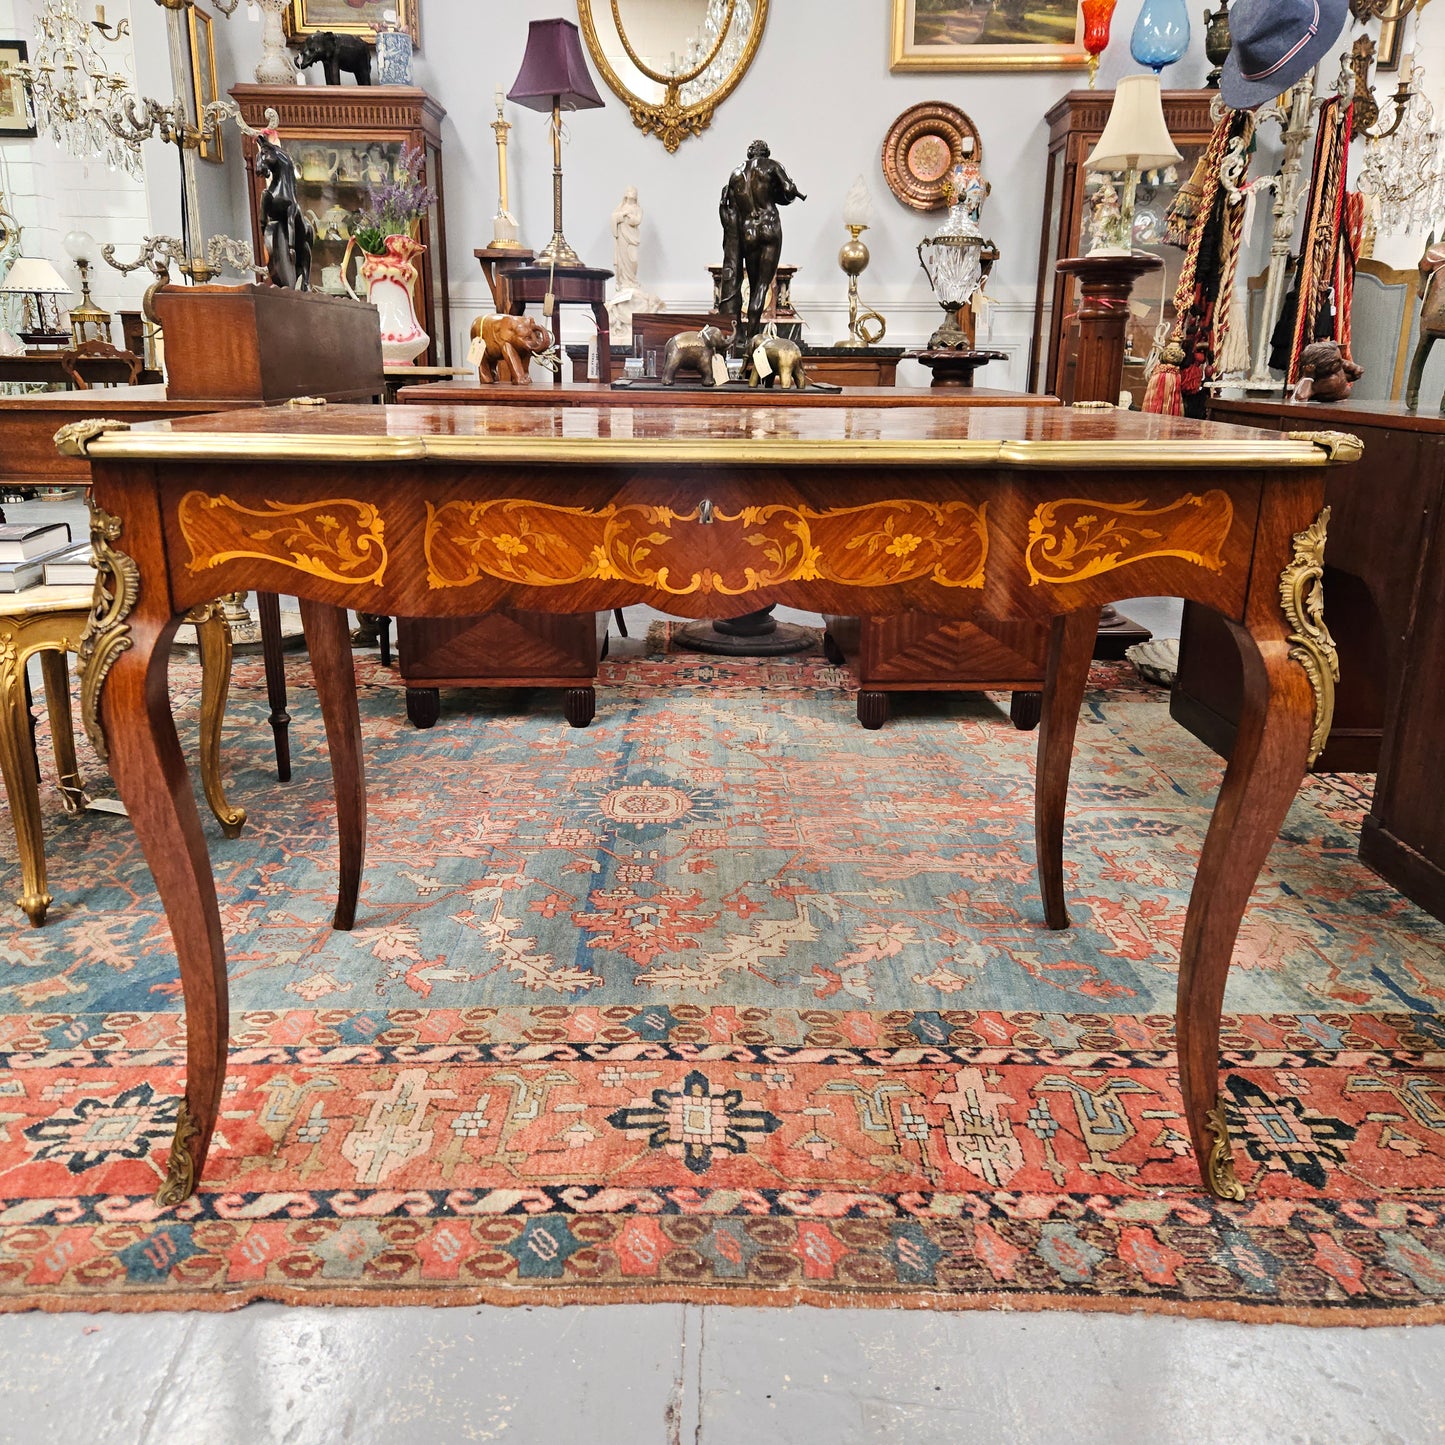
<point>554,70</point>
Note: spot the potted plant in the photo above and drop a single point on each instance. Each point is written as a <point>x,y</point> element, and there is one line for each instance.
<point>386,238</point>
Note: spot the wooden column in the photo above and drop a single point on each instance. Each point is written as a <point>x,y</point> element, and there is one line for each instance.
<point>1102,316</point>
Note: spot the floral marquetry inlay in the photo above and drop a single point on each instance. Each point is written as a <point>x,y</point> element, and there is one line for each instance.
<point>538,544</point>
<point>1075,538</point>
<point>338,540</point>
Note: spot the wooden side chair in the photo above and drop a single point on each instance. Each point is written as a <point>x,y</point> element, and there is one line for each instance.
<point>102,360</point>
<point>49,621</point>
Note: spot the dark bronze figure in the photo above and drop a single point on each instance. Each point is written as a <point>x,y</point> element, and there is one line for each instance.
<point>288,234</point>
<point>752,237</point>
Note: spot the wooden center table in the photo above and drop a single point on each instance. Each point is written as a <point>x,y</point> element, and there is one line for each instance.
<point>1039,515</point>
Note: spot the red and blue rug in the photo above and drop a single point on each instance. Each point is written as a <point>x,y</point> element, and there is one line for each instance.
<point>724,999</point>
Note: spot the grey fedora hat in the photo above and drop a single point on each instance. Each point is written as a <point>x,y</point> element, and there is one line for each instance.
<point>1276,43</point>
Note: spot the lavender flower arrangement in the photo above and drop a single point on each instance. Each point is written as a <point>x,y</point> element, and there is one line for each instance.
<point>395,203</point>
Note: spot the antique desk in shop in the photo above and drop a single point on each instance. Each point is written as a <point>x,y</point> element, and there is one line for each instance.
<point>1043,515</point>
<point>910,652</point>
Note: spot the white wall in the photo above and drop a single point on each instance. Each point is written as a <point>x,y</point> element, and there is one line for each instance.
<point>819,91</point>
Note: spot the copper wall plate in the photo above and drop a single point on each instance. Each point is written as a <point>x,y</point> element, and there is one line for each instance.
<point>922,146</point>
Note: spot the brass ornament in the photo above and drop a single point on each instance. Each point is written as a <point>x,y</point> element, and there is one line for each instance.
<point>306,401</point>
<point>180,1181</point>
<point>74,439</point>
<point>1339,446</point>
<point>1075,538</point>
<point>674,119</point>
<point>1302,596</point>
<point>1219,1171</point>
<point>106,635</point>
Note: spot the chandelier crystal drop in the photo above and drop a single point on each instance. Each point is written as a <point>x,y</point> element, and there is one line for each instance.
<point>74,89</point>
<point>725,62</point>
<point>1404,171</point>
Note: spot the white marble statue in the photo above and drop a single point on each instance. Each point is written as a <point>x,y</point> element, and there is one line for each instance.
<point>628,296</point>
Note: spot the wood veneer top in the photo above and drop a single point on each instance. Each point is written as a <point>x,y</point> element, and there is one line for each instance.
<point>747,436</point>
<point>1336,413</point>
<point>474,394</point>
<point>104,401</point>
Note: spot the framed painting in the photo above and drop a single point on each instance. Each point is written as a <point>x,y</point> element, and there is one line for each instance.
<point>17,115</point>
<point>350,17</point>
<point>203,80</point>
<point>987,35</point>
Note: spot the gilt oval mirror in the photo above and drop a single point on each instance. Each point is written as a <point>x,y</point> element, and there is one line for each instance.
<point>672,62</point>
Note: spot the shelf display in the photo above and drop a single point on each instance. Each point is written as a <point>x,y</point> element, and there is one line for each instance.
<point>344,140</point>
<point>1075,125</point>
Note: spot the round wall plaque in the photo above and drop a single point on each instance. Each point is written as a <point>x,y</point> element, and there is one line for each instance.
<point>922,146</point>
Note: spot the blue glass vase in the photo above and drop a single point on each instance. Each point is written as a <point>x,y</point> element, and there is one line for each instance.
<point>1161,34</point>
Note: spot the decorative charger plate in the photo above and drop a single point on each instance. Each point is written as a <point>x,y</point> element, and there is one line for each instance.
<point>922,146</point>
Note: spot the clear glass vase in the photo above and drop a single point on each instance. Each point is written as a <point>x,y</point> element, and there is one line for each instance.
<point>1161,34</point>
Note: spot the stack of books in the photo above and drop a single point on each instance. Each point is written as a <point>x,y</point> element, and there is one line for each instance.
<point>26,548</point>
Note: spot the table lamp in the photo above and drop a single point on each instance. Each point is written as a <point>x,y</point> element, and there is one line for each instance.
<point>1135,139</point>
<point>81,247</point>
<point>35,278</point>
<point>554,76</point>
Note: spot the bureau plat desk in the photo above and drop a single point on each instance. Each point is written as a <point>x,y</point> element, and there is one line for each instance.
<point>1042,515</point>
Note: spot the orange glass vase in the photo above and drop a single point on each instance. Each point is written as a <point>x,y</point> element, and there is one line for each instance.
<point>1097,15</point>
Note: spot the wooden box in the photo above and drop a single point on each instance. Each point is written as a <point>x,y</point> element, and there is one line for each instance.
<point>268,344</point>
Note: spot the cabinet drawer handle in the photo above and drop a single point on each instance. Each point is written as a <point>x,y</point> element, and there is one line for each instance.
<point>704,513</point>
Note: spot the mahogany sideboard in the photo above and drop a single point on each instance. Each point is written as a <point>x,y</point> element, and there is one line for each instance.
<point>418,512</point>
<point>912,652</point>
<point>1380,510</point>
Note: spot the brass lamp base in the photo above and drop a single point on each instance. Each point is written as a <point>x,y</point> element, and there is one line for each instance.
<point>558,252</point>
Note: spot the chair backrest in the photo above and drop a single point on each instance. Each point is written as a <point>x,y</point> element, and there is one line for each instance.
<point>1382,320</point>
<point>101,359</point>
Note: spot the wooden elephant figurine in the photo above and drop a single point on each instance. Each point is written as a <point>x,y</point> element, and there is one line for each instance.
<point>693,351</point>
<point>784,356</point>
<point>503,348</point>
<point>1432,320</point>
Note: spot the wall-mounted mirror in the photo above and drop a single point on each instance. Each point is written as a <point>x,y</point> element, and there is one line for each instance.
<point>672,61</point>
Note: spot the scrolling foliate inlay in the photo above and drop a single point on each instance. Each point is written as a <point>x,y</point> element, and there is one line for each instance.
<point>537,544</point>
<point>1302,595</point>
<point>107,634</point>
<point>1073,539</point>
<point>338,540</point>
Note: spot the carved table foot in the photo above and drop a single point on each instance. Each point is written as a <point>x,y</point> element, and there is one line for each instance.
<point>579,705</point>
<point>423,706</point>
<point>873,709</point>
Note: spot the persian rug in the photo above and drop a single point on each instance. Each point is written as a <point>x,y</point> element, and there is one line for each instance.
<point>724,999</point>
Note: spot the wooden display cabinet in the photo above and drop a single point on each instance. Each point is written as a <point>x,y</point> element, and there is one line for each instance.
<point>340,138</point>
<point>1075,124</point>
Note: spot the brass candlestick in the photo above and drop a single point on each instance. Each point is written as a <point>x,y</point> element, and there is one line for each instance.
<point>865,326</point>
<point>558,251</point>
<point>504,224</point>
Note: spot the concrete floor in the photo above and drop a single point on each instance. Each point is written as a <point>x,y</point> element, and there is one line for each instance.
<point>686,1375</point>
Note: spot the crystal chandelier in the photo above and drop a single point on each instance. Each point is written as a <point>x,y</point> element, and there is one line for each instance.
<point>74,89</point>
<point>737,17</point>
<point>1404,169</point>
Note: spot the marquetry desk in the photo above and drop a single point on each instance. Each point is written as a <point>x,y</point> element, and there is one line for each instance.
<point>1040,515</point>
<point>907,652</point>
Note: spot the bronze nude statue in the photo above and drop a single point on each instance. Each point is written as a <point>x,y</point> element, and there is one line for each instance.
<point>752,237</point>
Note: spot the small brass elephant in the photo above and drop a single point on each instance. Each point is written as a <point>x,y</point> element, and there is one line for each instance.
<point>784,356</point>
<point>693,351</point>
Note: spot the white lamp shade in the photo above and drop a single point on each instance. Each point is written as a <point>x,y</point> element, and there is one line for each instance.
<point>34,275</point>
<point>858,207</point>
<point>1135,136</point>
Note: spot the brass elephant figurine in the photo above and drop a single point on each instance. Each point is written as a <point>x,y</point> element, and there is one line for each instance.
<point>693,351</point>
<point>784,357</point>
<point>1432,319</point>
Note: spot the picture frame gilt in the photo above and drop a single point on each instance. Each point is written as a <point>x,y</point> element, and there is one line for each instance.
<point>17,113</point>
<point>1009,35</point>
<point>201,25</point>
<point>350,17</point>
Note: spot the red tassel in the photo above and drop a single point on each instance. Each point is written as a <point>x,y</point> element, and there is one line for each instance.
<point>1191,379</point>
<point>1164,396</point>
